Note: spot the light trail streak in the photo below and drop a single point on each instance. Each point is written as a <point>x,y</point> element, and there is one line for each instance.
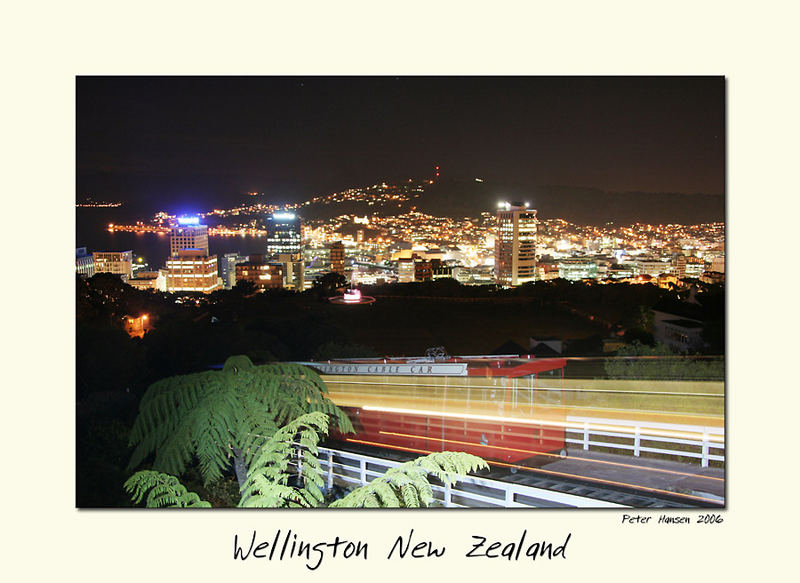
<point>457,386</point>
<point>566,424</point>
<point>553,473</point>
<point>340,397</point>
<point>555,455</point>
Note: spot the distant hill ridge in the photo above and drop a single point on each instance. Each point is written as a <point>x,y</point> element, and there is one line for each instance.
<point>584,206</point>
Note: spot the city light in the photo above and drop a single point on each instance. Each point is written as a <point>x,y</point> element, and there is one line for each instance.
<point>183,221</point>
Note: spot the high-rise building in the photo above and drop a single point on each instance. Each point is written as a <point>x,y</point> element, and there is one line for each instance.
<point>679,265</point>
<point>116,262</point>
<point>190,267</point>
<point>188,233</point>
<point>515,244</point>
<point>337,257</point>
<point>283,234</point>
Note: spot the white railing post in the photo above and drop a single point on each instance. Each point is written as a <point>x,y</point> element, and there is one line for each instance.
<point>330,470</point>
<point>446,498</point>
<point>509,497</point>
<point>704,462</point>
<point>585,435</point>
<point>362,466</point>
<point>637,441</point>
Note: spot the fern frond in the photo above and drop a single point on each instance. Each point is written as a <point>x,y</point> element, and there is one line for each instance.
<point>161,490</point>
<point>408,483</point>
<point>270,465</point>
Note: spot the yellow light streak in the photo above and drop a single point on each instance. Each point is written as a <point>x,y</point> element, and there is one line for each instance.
<point>566,424</point>
<point>457,386</point>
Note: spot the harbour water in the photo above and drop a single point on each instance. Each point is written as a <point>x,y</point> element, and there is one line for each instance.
<point>91,231</point>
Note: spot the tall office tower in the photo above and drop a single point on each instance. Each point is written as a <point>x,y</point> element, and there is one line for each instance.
<point>283,234</point>
<point>190,267</point>
<point>515,244</point>
<point>679,265</point>
<point>116,262</point>
<point>188,233</point>
<point>337,257</point>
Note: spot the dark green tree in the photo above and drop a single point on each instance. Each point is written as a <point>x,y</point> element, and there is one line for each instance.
<point>659,362</point>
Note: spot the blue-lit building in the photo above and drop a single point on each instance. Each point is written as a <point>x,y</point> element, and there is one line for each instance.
<point>84,262</point>
<point>188,233</point>
<point>190,267</point>
<point>283,234</point>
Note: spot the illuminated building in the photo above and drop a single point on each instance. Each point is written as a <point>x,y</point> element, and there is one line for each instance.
<point>620,271</point>
<point>694,268</point>
<point>546,271</point>
<point>577,269</point>
<point>423,271</point>
<point>116,262</point>
<point>442,272</point>
<point>650,267</point>
<point>227,269</point>
<point>515,244</point>
<point>283,234</point>
<point>136,326</point>
<point>193,271</point>
<point>188,233</point>
<point>190,268</point>
<point>337,257</point>
<point>262,274</point>
<point>405,270</point>
<point>150,280</point>
<point>84,263</point>
<point>679,265</point>
<point>293,271</point>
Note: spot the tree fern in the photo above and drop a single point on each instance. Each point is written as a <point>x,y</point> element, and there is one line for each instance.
<point>407,485</point>
<point>224,416</point>
<point>160,490</point>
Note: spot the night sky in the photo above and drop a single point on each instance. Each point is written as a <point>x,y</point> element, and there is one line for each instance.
<point>167,140</point>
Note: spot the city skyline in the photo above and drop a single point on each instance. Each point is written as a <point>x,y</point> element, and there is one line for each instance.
<point>209,140</point>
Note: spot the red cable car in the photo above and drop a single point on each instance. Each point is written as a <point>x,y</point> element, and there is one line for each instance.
<point>502,408</point>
